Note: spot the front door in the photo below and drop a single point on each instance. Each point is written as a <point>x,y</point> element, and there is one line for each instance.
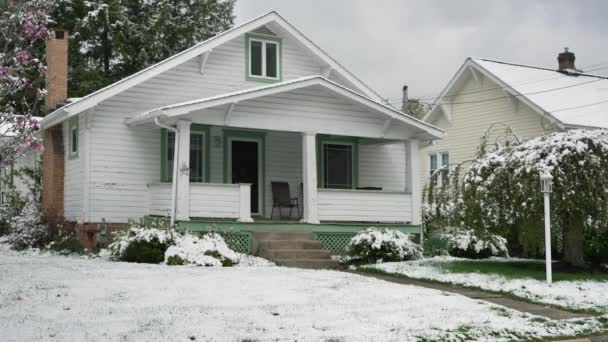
<point>245,168</point>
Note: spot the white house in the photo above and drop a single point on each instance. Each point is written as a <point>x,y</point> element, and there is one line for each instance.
<point>487,96</point>
<point>202,135</point>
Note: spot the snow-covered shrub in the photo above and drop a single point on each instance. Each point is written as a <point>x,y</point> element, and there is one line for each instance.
<point>502,194</point>
<point>382,244</point>
<point>207,250</point>
<point>141,242</point>
<point>466,244</point>
<point>26,229</point>
<point>65,244</point>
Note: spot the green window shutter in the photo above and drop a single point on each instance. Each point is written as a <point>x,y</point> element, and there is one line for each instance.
<point>163,155</point>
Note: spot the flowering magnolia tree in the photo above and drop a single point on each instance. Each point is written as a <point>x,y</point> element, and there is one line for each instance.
<point>501,194</point>
<point>23,30</point>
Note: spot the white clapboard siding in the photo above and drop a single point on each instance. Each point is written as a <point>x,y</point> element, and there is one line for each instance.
<point>125,160</point>
<point>364,206</point>
<point>160,199</point>
<point>73,184</point>
<point>382,165</point>
<point>214,200</point>
<point>473,114</point>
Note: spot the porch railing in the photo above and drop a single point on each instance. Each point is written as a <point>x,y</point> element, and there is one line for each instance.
<point>206,200</point>
<point>364,205</point>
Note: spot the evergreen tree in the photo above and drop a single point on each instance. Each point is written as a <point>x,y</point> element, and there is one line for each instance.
<point>112,39</point>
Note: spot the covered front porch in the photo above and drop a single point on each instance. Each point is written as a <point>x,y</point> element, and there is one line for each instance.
<point>341,158</point>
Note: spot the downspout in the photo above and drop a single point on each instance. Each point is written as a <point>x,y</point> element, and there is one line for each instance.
<point>174,179</point>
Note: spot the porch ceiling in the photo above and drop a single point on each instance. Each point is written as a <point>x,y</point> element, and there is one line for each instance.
<point>360,115</point>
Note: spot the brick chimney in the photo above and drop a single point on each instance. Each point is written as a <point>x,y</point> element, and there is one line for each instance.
<point>566,60</point>
<point>404,100</point>
<point>57,69</point>
<point>53,167</point>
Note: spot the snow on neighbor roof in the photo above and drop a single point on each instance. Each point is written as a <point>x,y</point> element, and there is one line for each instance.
<point>5,129</point>
<point>575,99</point>
<point>186,107</point>
<point>96,97</point>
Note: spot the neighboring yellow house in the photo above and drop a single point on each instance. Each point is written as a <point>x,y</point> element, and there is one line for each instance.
<point>491,96</point>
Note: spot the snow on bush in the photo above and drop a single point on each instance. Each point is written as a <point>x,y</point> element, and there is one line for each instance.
<point>142,244</point>
<point>26,229</point>
<point>382,244</point>
<point>502,193</point>
<point>465,244</point>
<point>208,250</point>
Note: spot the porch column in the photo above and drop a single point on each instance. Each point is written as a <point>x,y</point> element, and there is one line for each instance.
<point>413,179</point>
<point>309,163</point>
<point>183,171</point>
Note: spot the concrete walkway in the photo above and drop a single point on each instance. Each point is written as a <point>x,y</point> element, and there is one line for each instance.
<point>535,309</point>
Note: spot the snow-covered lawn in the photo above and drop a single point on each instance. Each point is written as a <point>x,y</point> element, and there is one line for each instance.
<point>54,298</point>
<point>590,295</point>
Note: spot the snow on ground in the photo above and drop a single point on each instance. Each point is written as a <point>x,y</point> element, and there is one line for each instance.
<point>573,294</point>
<point>55,298</point>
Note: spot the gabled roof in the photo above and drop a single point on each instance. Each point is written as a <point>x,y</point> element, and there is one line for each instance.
<point>96,97</point>
<point>184,108</point>
<point>567,99</point>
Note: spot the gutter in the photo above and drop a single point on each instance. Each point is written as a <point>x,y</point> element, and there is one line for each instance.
<point>174,179</point>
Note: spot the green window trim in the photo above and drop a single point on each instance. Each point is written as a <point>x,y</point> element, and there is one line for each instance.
<point>330,139</point>
<point>248,134</point>
<point>196,129</point>
<point>264,38</point>
<point>74,144</point>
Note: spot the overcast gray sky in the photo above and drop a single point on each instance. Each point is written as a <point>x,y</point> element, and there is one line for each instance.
<point>389,43</point>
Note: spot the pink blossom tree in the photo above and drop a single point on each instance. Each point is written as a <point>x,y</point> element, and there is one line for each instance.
<point>23,31</point>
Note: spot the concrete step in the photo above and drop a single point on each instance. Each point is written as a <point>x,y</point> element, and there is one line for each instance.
<point>290,244</point>
<point>308,263</point>
<point>291,254</point>
<point>264,236</point>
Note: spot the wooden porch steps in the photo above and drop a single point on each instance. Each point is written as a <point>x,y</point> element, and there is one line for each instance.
<point>293,249</point>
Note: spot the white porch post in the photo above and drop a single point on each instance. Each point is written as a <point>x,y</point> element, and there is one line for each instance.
<point>413,179</point>
<point>245,203</point>
<point>183,171</point>
<point>309,163</point>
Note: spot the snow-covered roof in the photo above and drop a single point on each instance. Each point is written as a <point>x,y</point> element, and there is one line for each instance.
<point>96,97</point>
<point>570,99</point>
<point>184,108</point>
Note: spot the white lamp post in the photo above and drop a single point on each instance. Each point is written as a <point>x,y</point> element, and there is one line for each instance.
<point>546,187</point>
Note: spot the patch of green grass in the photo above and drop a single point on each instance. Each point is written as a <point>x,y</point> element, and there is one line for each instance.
<point>500,311</point>
<point>519,270</point>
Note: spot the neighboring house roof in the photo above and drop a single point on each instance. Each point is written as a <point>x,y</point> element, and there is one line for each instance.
<point>567,99</point>
<point>6,128</point>
<point>183,108</point>
<point>96,97</point>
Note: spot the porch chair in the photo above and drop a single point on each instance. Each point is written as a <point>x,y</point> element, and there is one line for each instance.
<point>281,198</point>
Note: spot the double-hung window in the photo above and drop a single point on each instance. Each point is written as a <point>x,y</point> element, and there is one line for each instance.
<point>263,58</point>
<point>338,165</point>
<point>198,155</point>
<point>439,161</point>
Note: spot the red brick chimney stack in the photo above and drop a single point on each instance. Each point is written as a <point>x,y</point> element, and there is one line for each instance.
<point>53,167</point>
<point>566,60</point>
<point>57,69</point>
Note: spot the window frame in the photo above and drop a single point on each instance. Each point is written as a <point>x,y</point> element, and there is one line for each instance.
<point>354,143</point>
<point>264,39</point>
<point>439,156</point>
<point>73,125</point>
<point>165,175</point>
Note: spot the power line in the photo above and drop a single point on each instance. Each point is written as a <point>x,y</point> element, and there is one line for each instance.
<point>421,99</point>
<point>577,107</point>
<point>522,94</point>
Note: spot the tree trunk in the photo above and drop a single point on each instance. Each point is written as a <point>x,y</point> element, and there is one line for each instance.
<point>574,243</point>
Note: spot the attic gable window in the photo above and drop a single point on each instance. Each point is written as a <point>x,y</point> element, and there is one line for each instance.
<point>263,58</point>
